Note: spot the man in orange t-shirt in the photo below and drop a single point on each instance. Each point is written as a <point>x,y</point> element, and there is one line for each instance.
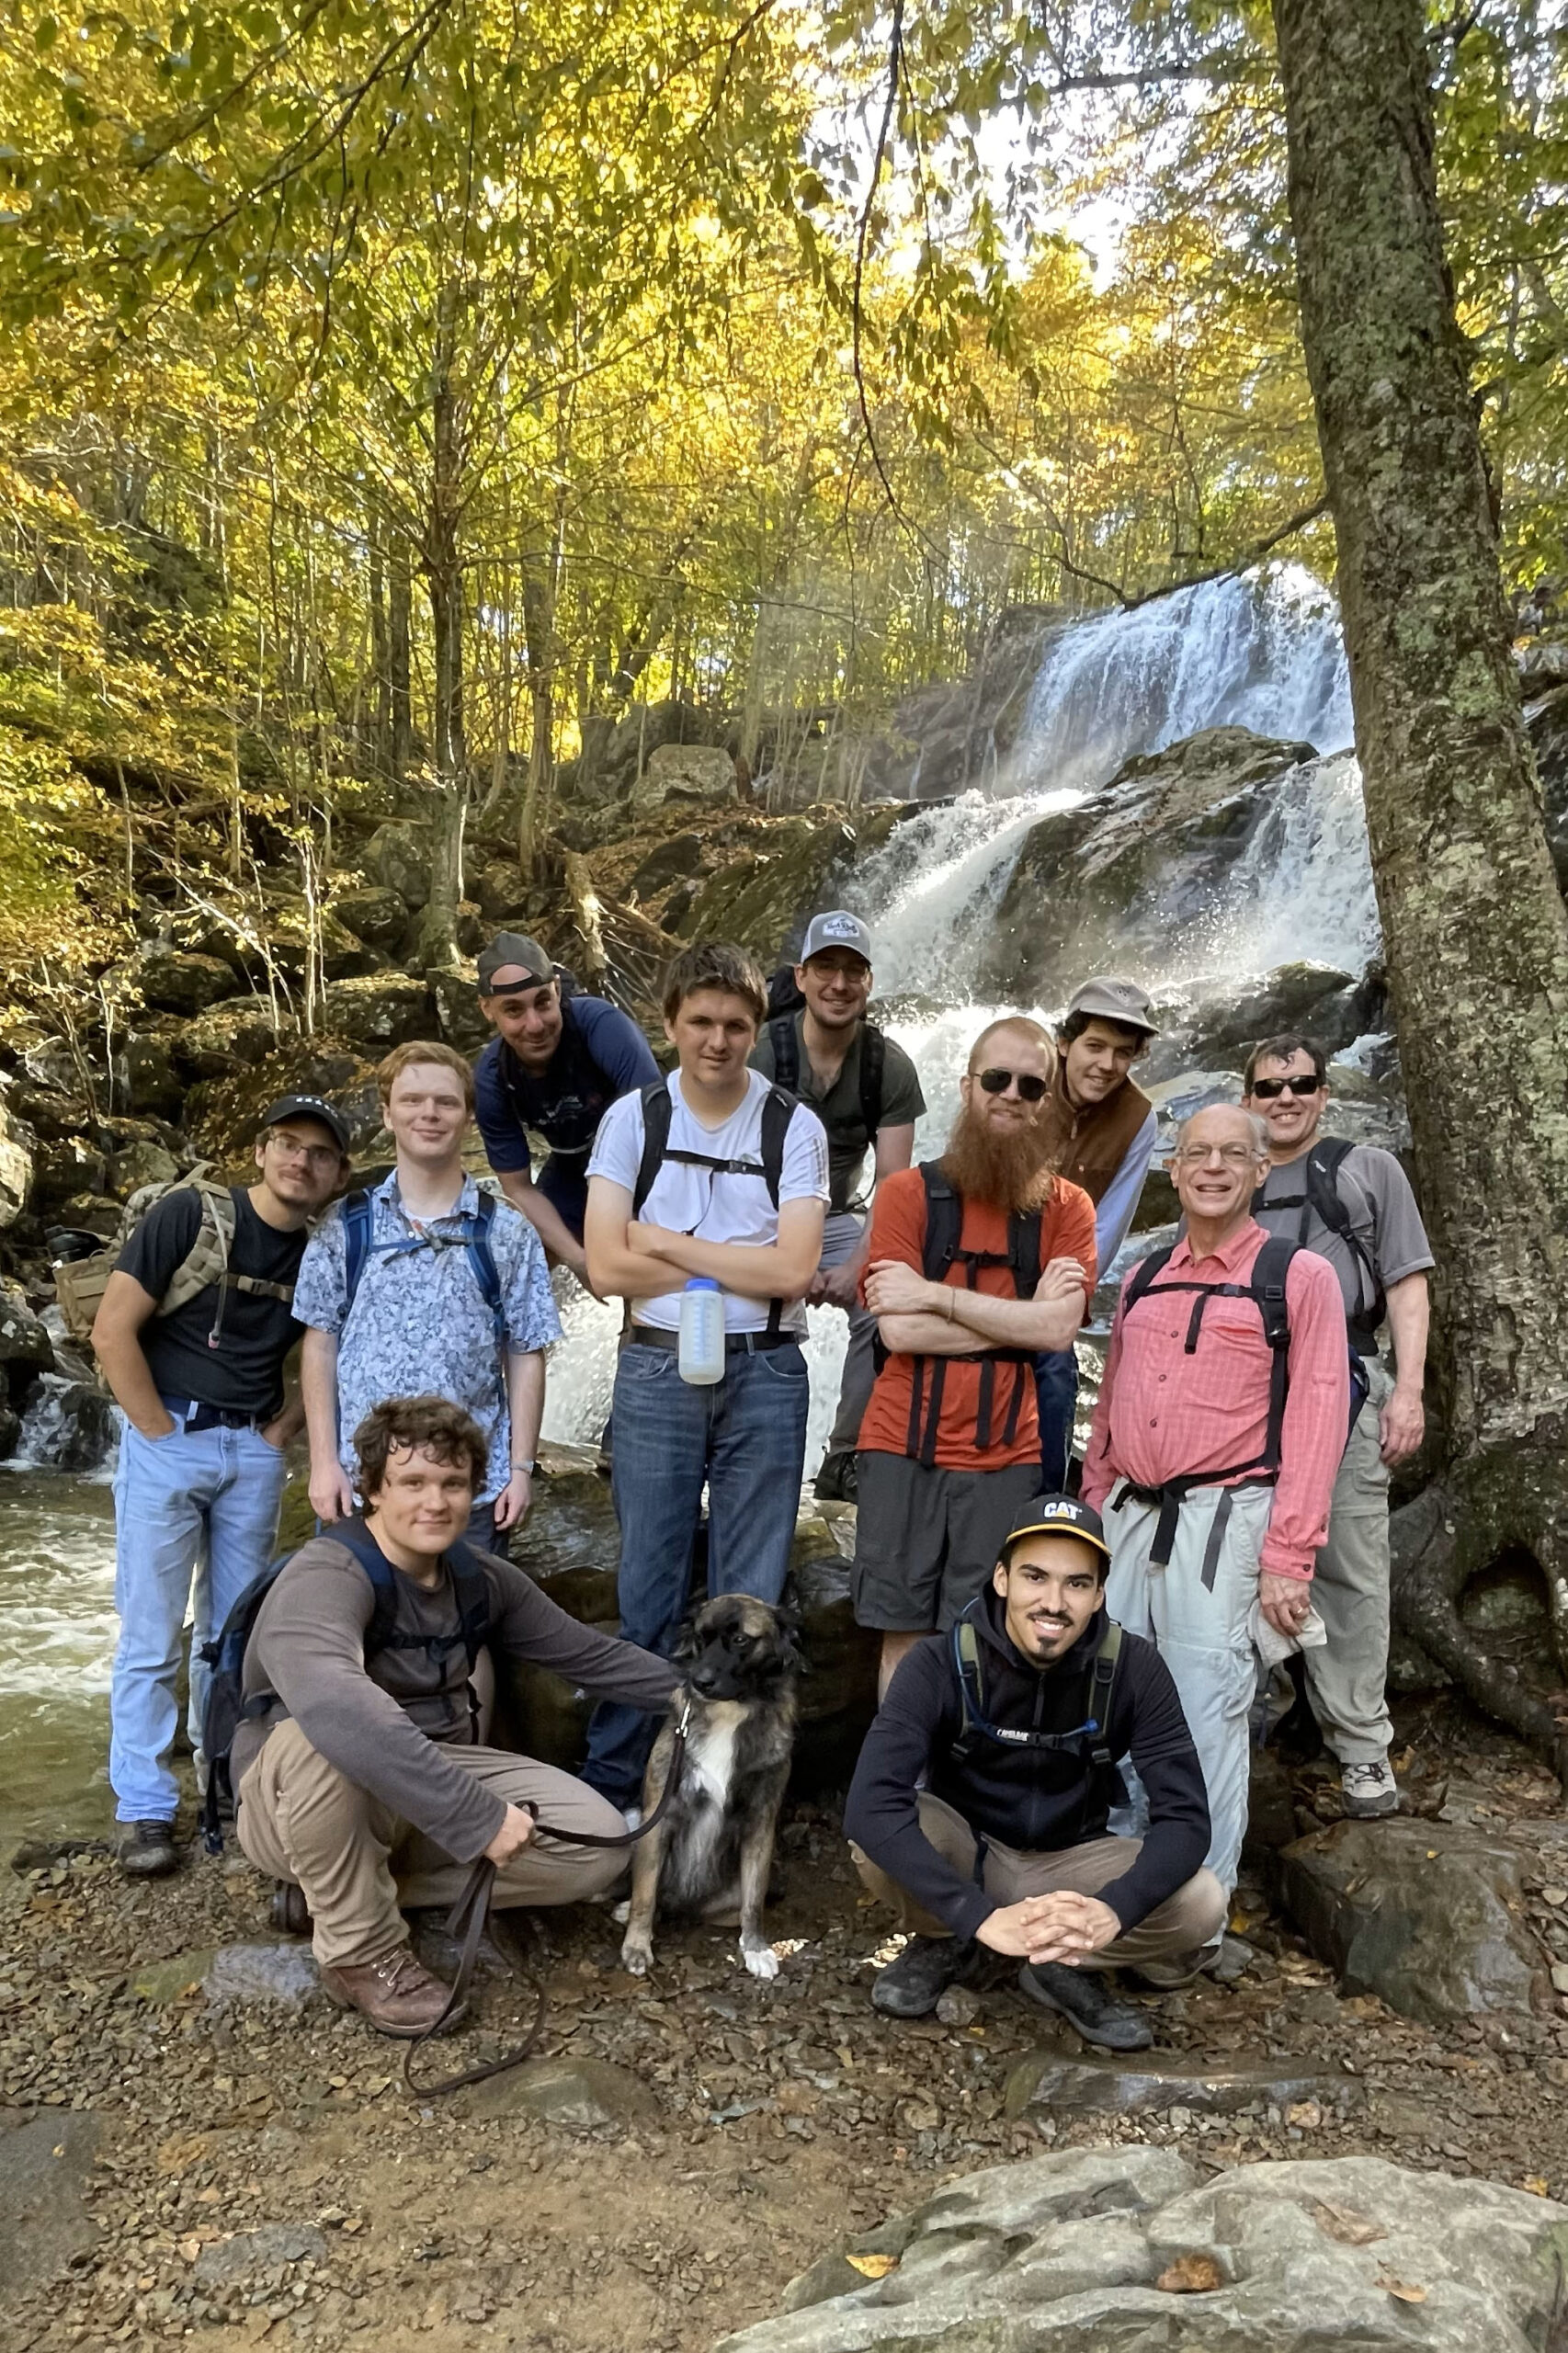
<point>977,1262</point>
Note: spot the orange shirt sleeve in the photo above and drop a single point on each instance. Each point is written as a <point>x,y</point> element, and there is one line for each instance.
<point>898,1221</point>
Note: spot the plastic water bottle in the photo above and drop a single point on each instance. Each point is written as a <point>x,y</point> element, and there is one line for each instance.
<point>701,1357</point>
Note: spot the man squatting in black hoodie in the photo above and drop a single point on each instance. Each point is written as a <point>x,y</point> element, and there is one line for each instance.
<point>979,1805</point>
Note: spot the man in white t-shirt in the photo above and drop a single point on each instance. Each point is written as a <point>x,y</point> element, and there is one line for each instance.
<point>713,1172</point>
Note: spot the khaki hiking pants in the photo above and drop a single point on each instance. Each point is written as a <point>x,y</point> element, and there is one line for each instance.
<point>358,1864</point>
<point>1195,1611</point>
<point>1183,1924</point>
<point>1346,1676</point>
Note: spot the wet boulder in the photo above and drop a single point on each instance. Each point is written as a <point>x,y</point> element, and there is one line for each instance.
<point>790,867</point>
<point>1317,1000</point>
<point>25,1344</point>
<point>1151,852</point>
<point>1428,1915</point>
<point>16,1165</point>
<point>70,1424</point>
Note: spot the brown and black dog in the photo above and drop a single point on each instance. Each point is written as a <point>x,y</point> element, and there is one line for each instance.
<point>711,1856</point>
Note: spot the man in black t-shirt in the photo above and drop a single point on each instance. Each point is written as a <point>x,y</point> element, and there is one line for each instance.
<point>195,1320</point>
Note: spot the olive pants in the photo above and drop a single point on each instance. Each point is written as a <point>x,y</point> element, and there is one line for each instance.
<point>1179,1927</point>
<point>359,1865</point>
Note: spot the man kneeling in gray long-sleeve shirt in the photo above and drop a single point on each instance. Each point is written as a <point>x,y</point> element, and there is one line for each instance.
<point>364,1781</point>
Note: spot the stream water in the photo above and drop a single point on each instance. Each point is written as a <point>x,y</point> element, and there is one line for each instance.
<point>1263,653</point>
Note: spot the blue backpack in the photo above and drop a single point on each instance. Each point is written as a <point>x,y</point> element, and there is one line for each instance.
<point>359,1248</point>
<point>227,1706</point>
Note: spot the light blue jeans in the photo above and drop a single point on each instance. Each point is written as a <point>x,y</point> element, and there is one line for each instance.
<point>199,1504</point>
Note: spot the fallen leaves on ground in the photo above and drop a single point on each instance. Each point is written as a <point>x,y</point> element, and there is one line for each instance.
<point>1191,2274</point>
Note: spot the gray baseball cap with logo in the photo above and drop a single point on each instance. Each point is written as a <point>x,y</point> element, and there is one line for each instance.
<point>835,930</point>
<point>1122,1002</point>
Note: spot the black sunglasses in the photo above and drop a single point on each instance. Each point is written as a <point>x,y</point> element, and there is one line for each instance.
<point>1265,1089</point>
<point>997,1082</point>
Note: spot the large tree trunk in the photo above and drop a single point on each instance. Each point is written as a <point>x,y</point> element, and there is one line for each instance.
<point>400,654</point>
<point>443,573</point>
<point>1474,927</point>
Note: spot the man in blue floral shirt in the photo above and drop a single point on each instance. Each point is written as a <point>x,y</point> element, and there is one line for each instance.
<point>426,1286</point>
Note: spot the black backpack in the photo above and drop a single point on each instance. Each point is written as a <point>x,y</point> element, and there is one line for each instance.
<point>1322,1194</point>
<point>777,1110</point>
<point>1091,1741</point>
<point>943,1248</point>
<point>784,1001</point>
<point>227,1706</point>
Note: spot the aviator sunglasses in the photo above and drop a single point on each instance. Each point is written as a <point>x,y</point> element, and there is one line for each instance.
<point>1265,1089</point>
<point>997,1082</point>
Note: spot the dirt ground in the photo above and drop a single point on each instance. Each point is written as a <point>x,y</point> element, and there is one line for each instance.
<point>777,2117</point>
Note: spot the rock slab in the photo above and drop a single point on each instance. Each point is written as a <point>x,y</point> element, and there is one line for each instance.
<point>1147,2085</point>
<point>584,2095</point>
<point>1428,1915</point>
<point>1069,2252</point>
<point>44,2166</point>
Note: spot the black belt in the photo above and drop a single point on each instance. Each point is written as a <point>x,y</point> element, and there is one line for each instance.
<point>736,1343</point>
<point>1169,1500</point>
<point>192,1414</point>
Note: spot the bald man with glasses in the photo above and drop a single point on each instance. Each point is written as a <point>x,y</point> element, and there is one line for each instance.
<point>1354,1206</point>
<point>1221,1421</point>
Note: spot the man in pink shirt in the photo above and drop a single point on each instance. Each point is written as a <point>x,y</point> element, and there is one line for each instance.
<point>1219,1426</point>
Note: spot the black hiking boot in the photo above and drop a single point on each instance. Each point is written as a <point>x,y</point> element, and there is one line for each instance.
<point>836,1480</point>
<point>147,1849</point>
<point>911,1986</point>
<point>290,1910</point>
<point>1085,2002</point>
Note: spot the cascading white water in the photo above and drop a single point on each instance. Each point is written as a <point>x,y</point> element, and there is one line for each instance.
<point>1263,652</point>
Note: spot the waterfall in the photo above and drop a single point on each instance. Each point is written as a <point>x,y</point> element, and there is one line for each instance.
<point>1262,650</point>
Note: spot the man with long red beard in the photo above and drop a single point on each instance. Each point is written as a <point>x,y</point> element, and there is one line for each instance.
<point>977,1262</point>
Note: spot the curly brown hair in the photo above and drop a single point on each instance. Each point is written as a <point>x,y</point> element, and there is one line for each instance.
<point>417,1425</point>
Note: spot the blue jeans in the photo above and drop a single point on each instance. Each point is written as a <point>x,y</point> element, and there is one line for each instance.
<point>747,1438</point>
<point>1056,1393</point>
<point>195,1504</point>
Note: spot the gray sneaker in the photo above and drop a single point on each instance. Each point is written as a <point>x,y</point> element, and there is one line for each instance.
<point>1368,1790</point>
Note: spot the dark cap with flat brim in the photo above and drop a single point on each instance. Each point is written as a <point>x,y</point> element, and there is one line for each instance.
<point>1057,1515</point>
<point>308,1107</point>
<point>513,951</point>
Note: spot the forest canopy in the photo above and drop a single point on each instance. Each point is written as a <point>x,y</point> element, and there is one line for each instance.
<point>394,399</point>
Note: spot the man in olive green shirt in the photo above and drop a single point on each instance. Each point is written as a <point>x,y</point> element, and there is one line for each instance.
<point>864,1089</point>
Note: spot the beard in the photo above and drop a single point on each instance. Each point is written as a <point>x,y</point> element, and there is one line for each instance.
<point>1006,1169</point>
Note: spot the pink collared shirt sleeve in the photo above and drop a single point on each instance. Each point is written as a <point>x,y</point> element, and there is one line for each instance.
<point>1317,1415</point>
<point>1099,1475</point>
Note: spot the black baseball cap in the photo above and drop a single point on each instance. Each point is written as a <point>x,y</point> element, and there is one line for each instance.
<point>1057,1515</point>
<point>308,1107</point>
<point>510,948</point>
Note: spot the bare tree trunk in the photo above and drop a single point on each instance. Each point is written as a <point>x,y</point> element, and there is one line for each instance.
<point>443,573</point>
<point>1474,927</point>
<point>380,653</point>
<point>400,657</point>
<point>541,589</point>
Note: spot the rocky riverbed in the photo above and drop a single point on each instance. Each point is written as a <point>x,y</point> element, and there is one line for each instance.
<point>185,2158</point>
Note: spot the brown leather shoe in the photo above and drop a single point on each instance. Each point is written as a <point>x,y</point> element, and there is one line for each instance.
<point>395,1993</point>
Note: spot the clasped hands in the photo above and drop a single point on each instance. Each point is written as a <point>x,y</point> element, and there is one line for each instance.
<point>1062,1927</point>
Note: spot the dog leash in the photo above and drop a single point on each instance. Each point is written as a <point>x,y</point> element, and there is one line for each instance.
<point>469,1916</point>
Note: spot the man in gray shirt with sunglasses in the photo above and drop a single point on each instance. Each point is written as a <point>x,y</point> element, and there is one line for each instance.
<point>1353,1205</point>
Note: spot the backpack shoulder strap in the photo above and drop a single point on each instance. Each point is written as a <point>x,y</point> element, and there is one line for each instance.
<point>357,1215</point>
<point>1323,1163</point>
<point>971,1696</point>
<point>206,1260</point>
<point>1143,1274</point>
<point>472,1589</point>
<point>383,1582</point>
<point>778,1109</point>
<point>786,1051</point>
<point>482,1261</point>
<point>944,1222</point>
<point>658,1112</point>
<point>1267,1287</point>
<point>1023,1252</point>
<point>873,1064</point>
